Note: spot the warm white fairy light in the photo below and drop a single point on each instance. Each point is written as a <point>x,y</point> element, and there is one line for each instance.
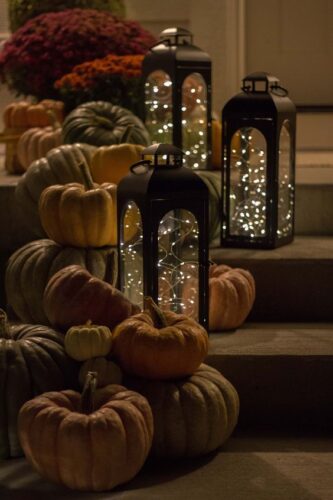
<point>286,189</point>
<point>248,184</point>
<point>248,195</point>
<point>158,102</point>
<point>178,262</point>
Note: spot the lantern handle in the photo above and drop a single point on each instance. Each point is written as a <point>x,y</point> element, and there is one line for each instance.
<point>138,164</point>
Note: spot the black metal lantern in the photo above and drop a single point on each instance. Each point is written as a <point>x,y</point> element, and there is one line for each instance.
<point>177,86</point>
<point>163,233</point>
<point>258,181</point>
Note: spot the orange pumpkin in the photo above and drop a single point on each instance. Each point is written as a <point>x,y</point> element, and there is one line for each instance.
<point>73,296</point>
<point>35,142</point>
<point>160,345</point>
<point>231,296</point>
<point>23,114</point>
<point>91,442</point>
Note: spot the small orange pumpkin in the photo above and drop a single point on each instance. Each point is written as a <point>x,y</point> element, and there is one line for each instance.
<point>159,345</point>
<point>231,296</point>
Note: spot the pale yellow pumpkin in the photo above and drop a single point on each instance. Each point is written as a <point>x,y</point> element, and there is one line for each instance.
<point>112,163</point>
<point>88,341</point>
<point>81,216</point>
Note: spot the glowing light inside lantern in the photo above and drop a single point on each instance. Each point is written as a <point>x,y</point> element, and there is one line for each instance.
<point>178,265</point>
<point>248,177</point>
<point>159,116</point>
<point>286,189</point>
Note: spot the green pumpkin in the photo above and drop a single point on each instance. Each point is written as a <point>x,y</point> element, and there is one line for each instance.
<point>61,165</point>
<point>32,361</point>
<point>192,416</point>
<point>102,123</point>
<point>213,182</point>
<point>31,266</point>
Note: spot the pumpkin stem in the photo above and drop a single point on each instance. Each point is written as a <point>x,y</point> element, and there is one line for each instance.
<point>4,327</point>
<point>126,134</point>
<point>87,180</point>
<point>155,312</point>
<point>87,396</point>
<point>111,268</point>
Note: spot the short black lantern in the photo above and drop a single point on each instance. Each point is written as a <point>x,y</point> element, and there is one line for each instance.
<point>163,233</point>
<point>258,180</point>
<point>177,87</point>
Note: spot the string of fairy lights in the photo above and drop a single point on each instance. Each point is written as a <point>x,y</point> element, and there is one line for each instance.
<point>158,102</point>
<point>177,265</point>
<point>248,185</point>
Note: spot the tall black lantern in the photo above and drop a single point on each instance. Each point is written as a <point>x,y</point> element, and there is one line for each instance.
<point>177,86</point>
<point>163,233</point>
<point>258,181</point>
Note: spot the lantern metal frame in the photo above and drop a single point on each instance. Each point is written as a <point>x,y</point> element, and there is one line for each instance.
<point>176,55</point>
<point>263,105</point>
<point>157,189</point>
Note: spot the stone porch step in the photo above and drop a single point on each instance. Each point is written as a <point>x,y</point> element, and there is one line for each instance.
<point>282,372</point>
<point>256,466</point>
<point>294,283</point>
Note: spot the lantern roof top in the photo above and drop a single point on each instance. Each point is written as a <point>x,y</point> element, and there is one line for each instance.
<point>175,32</point>
<point>175,44</point>
<point>261,76</point>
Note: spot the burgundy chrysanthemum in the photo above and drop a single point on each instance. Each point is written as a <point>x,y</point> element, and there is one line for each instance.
<point>50,45</point>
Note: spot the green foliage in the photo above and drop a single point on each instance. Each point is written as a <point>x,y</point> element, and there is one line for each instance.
<point>20,11</point>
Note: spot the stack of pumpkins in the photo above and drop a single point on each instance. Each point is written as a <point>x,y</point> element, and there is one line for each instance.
<point>30,131</point>
<point>170,405</point>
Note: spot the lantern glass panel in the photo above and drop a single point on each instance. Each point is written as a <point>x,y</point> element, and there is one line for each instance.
<point>158,105</point>
<point>178,262</point>
<point>286,192</point>
<point>131,238</point>
<point>248,180</point>
<point>194,121</point>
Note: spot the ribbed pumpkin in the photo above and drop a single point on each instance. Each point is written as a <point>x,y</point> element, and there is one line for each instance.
<point>102,123</point>
<point>61,165</point>
<point>36,142</point>
<point>31,266</point>
<point>32,361</point>
<point>192,416</point>
<point>73,296</point>
<point>107,371</point>
<point>159,345</point>
<point>80,215</point>
<point>87,341</point>
<point>231,296</point>
<point>213,183</point>
<point>112,163</point>
<point>93,442</point>
<point>23,114</point>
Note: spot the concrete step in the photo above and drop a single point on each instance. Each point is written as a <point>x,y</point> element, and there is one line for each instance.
<point>293,283</point>
<point>256,466</point>
<point>282,372</point>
